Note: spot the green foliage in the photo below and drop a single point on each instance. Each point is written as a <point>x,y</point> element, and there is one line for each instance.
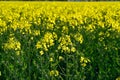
<point>59,41</point>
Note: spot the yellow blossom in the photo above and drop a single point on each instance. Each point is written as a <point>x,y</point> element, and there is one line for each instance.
<point>18,53</point>
<point>36,32</point>
<point>31,38</point>
<point>83,64</point>
<point>54,73</point>
<point>12,43</point>
<point>61,58</point>
<point>73,49</point>
<point>38,45</point>
<point>51,59</point>
<point>41,53</point>
<point>118,78</point>
<point>84,61</point>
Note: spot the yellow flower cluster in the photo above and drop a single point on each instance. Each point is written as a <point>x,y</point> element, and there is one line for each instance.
<point>47,41</point>
<point>2,26</point>
<point>65,29</point>
<point>79,38</point>
<point>61,58</point>
<point>118,78</point>
<point>41,53</point>
<point>65,42</point>
<point>12,43</point>
<point>51,59</point>
<point>54,73</point>
<point>84,61</point>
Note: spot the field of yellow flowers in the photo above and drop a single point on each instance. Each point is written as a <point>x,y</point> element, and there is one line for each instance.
<point>59,40</point>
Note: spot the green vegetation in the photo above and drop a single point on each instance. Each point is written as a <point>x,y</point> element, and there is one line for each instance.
<point>59,41</point>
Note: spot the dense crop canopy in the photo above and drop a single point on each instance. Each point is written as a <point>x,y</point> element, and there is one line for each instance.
<point>59,41</point>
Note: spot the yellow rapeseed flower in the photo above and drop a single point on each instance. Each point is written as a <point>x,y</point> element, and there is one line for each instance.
<point>83,64</point>
<point>36,32</point>
<point>73,49</point>
<point>61,58</point>
<point>118,78</point>
<point>54,73</point>
<point>81,59</point>
<point>51,73</point>
<point>12,43</point>
<point>31,38</point>
<point>51,59</point>
<point>38,45</point>
<point>84,61</point>
<point>41,53</point>
<point>79,38</point>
